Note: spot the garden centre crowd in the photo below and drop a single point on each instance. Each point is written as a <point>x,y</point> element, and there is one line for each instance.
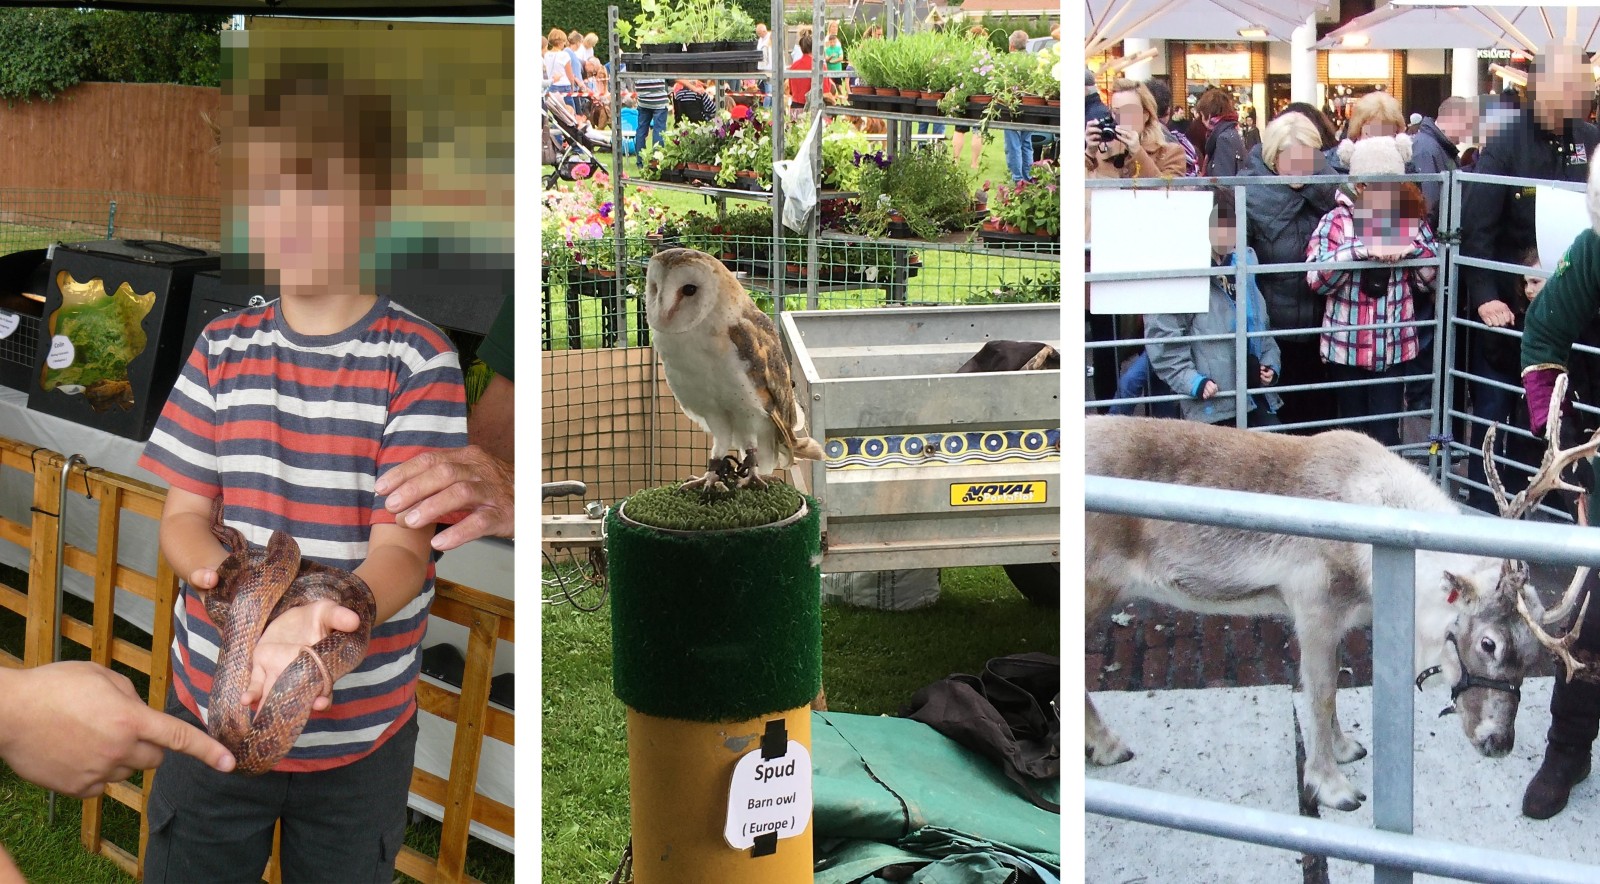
<point>574,74</point>
<point>1323,316</point>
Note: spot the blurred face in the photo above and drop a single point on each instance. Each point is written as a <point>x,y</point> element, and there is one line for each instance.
<point>1376,128</point>
<point>307,215</point>
<point>1297,159</point>
<point>1380,218</point>
<point>1224,235</point>
<point>761,30</point>
<point>1564,88</point>
<point>1456,124</point>
<point>1128,111</point>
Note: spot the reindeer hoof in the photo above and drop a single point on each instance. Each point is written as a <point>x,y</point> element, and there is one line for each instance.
<point>1348,750</point>
<point>1105,756</point>
<point>1335,792</point>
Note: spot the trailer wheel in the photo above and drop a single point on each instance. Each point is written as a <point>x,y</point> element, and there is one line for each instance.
<point>1039,582</point>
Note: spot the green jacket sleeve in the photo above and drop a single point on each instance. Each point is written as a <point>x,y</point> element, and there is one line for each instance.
<point>498,349</point>
<point>1570,301</point>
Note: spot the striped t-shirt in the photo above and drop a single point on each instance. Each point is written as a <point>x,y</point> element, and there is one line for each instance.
<point>293,430</point>
<point>652,93</point>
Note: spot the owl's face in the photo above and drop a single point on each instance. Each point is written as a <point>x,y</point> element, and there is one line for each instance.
<point>682,287</point>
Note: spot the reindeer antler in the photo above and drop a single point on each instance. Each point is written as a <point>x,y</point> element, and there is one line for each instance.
<point>1560,647</point>
<point>1556,460</point>
<point>1547,479</point>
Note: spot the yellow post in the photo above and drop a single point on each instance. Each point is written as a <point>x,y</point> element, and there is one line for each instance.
<point>680,774</point>
<point>717,654</point>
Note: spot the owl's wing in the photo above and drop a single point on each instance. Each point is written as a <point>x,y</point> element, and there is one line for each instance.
<point>756,340</point>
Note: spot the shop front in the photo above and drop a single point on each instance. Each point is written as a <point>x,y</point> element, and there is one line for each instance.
<point>1346,76</point>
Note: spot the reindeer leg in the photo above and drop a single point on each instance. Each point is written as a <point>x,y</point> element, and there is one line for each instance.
<point>1345,750</point>
<point>1101,745</point>
<point>1319,672</point>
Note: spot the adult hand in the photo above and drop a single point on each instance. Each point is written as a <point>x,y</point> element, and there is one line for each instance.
<point>1539,385</point>
<point>73,727</point>
<point>430,486</point>
<point>1091,136</point>
<point>1209,390</point>
<point>1496,314</point>
<point>284,638</point>
<point>1268,376</point>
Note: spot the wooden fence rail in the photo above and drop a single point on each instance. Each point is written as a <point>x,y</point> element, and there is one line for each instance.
<point>489,620</point>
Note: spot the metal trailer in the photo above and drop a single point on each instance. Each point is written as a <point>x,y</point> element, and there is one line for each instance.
<point>927,468</point>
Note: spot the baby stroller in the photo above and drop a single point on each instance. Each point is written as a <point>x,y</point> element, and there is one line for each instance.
<point>569,144</point>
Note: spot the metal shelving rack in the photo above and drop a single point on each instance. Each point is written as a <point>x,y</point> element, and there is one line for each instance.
<point>900,128</point>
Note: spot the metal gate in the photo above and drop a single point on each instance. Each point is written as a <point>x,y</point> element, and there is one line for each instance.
<point>1453,425</point>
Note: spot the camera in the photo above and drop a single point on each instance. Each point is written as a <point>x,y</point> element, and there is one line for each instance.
<point>1107,127</point>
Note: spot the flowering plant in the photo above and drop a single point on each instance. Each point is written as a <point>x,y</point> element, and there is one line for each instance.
<point>1047,72</point>
<point>1031,206</point>
<point>924,187</point>
<point>579,223</point>
<point>971,78</point>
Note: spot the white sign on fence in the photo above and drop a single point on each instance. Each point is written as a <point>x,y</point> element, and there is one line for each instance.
<point>1558,217</point>
<point>8,323</point>
<point>1149,229</point>
<point>769,796</point>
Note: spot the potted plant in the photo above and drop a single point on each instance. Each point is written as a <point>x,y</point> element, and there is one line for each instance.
<point>1030,211</point>
<point>1012,73</point>
<point>968,81</point>
<point>925,189</point>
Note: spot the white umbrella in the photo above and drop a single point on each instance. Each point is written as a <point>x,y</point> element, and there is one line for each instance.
<point>1107,22</point>
<point>1529,25</point>
<point>1438,27</point>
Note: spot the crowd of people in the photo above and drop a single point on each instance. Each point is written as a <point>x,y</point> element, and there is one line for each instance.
<point>1323,318</point>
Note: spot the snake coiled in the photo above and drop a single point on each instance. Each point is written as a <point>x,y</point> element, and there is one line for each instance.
<point>254,586</point>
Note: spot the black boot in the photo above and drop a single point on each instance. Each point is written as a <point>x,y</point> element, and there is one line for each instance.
<point>1564,767</point>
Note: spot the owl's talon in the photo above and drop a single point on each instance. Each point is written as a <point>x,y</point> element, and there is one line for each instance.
<point>708,482</point>
<point>752,480</point>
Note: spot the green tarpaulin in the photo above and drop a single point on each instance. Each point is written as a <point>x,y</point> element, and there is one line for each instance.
<point>893,792</point>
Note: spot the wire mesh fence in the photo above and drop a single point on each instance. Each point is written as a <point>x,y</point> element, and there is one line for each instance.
<point>609,417</point>
<point>35,218</point>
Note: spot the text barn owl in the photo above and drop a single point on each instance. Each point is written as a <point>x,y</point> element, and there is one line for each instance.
<point>726,367</point>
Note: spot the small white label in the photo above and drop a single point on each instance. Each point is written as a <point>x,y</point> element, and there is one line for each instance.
<point>61,352</point>
<point>769,796</point>
<point>8,323</point>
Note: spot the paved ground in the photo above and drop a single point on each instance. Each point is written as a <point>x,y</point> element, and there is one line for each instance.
<point>1237,745</point>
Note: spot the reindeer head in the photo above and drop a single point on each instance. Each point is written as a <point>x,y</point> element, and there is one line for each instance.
<point>1487,646</point>
<point>1513,583</point>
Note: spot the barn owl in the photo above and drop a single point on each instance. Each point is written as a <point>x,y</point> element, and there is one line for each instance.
<point>726,367</point>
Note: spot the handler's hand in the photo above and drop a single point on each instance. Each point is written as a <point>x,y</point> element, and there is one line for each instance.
<point>73,727</point>
<point>1209,390</point>
<point>433,485</point>
<point>1496,314</point>
<point>282,641</point>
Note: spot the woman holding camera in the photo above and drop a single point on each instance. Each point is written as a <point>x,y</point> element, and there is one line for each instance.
<point>1132,142</point>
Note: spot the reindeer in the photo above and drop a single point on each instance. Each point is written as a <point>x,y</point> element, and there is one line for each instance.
<point>1477,618</point>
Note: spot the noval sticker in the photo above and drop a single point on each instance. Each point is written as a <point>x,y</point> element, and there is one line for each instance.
<point>769,796</point>
<point>8,323</point>
<point>998,493</point>
<point>61,352</point>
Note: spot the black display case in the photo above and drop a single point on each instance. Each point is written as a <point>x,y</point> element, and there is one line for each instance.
<point>23,276</point>
<point>112,340</point>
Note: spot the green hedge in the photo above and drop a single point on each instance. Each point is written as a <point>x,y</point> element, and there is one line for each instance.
<point>49,50</point>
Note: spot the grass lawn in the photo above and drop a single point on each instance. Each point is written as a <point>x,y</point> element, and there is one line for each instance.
<point>51,853</point>
<point>872,663</point>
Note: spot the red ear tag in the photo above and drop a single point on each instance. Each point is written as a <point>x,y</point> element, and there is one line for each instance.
<point>1451,599</point>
